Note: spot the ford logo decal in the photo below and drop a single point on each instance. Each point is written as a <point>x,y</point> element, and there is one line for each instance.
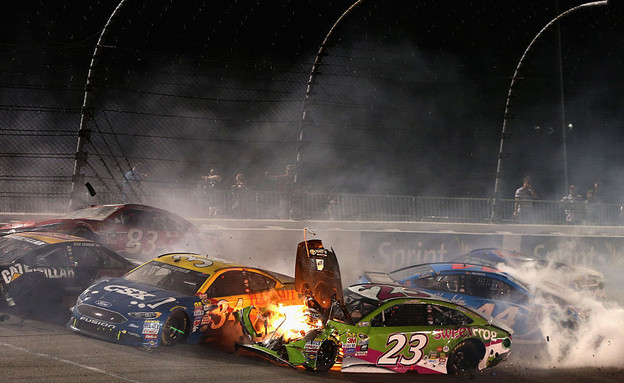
<point>103,303</point>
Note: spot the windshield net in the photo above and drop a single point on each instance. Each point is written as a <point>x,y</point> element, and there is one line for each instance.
<point>12,248</point>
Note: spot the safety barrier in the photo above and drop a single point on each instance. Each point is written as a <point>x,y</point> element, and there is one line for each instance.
<point>331,206</point>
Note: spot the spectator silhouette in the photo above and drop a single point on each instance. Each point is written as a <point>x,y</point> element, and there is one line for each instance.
<point>131,186</point>
<point>239,195</point>
<point>285,183</point>
<point>524,197</point>
<point>208,188</point>
<point>573,206</point>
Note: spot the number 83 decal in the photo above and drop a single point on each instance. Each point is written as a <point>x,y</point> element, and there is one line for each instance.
<point>138,241</point>
<point>398,342</point>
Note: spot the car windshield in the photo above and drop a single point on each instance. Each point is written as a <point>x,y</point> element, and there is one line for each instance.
<point>409,272</point>
<point>12,248</point>
<point>168,277</point>
<point>99,213</point>
<point>358,306</point>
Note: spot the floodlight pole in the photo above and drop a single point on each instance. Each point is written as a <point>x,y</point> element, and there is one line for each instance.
<point>514,80</point>
<point>313,72</point>
<point>86,115</point>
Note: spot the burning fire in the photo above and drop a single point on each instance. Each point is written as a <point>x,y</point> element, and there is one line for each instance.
<point>292,322</point>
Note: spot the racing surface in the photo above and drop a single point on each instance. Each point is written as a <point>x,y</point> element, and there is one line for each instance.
<point>38,351</point>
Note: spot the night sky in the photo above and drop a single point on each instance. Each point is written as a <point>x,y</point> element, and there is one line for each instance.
<point>409,98</point>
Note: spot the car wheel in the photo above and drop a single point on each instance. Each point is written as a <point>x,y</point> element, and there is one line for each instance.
<point>175,328</point>
<point>463,359</point>
<point>326,356</point>
<point>83,232</point>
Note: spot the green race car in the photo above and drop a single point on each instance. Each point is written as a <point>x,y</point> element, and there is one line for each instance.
<point>370,327</point>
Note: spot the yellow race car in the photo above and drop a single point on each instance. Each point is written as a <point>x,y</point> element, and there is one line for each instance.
<point>176,298</point>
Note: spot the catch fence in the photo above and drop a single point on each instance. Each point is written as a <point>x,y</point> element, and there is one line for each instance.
<point>331,206</point>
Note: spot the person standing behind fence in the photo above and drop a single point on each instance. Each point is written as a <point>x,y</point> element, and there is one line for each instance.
<point>285,183</point>
<point>596,209</point>
<point>524,197</point>
<point>573,205</point>
<point>208,186</point>
<point>239,194</point>
<point>131,186</point>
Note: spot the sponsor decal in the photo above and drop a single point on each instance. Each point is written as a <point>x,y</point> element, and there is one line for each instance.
<point>17,270</point>
<point>446,333</point>
<point>151,327</point>
<point>320,264</point>
<point>196,261</point>
<point>362,349</point>
<point>485,333</point>
<point>129,291</point>
<point>97,322</point>
<point>463,332</point>
<point>103,303</point>
<point>318,252</point>
<point>312,346</point>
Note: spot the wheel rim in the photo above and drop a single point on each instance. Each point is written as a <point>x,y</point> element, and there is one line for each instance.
<point>174,330</point>
<point>464,359</point>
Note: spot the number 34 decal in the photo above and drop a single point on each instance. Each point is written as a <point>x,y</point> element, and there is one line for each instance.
<point>397,342</point>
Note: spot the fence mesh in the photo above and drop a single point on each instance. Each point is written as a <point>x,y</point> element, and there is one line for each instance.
<point>186,86</point>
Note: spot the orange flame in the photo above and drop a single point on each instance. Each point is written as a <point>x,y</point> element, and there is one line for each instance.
<point>292,322</point>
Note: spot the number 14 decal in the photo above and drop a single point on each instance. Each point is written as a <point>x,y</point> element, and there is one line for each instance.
<point>397,342</point>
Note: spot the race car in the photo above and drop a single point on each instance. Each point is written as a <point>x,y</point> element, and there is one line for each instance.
<point>137,231</point>
<point>372,327</point>
<point>176,298</point>
<point>42,271</point>
<point>578,277</point>
<point>488,291</point>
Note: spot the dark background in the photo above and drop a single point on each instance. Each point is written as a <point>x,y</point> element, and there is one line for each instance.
<point>409,97</point>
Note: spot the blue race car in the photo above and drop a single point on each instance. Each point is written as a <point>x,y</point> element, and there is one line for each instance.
<point>485,290</point>
<point>579,278</point>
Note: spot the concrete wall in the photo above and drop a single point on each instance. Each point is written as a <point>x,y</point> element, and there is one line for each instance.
<point>386,246</point>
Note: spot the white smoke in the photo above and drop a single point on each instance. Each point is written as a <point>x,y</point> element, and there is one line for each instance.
<point>580,328</point>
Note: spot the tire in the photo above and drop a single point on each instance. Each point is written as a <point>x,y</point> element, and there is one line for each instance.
<point>175,329</point>
<point>326,356</point>
<point>463,359</point>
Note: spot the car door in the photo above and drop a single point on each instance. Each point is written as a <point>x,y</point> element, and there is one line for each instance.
<point>227,292</point>
<point>401,337</point>
<point>54,262</point>
<point>137,233</point>
<point>483,293</point>
<point>92,262</point>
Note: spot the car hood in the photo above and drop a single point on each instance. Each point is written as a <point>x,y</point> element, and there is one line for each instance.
<point>121,293</point>
<point>19,226</point>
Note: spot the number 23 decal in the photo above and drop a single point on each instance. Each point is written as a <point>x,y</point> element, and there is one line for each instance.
<point>397,342</point>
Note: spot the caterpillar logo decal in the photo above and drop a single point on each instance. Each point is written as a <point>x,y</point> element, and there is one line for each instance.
<point>17,270</point>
